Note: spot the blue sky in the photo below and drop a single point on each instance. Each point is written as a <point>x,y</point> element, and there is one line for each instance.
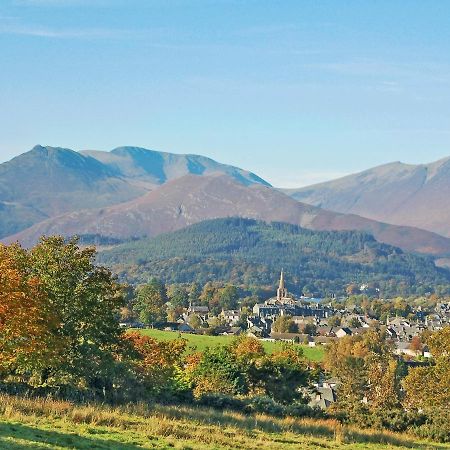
<point>296,91</point>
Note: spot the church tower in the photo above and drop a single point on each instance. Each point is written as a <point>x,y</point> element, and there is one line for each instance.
<point>281,291</point>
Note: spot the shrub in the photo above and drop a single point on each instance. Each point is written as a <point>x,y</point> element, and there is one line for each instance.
<point>217,371</point>
<point>302,410</point>
<point>266,405</point>
<point>436,426</point>
<point>221,401</point>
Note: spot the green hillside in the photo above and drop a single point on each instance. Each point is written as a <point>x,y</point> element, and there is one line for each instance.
<point>249,252</point>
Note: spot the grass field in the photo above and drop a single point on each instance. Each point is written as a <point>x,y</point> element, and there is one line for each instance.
<point>200,342</point>
<point>40,424</point>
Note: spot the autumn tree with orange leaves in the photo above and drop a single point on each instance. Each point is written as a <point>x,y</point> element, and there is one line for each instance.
<point>55,301</point>
<point>27,323</point>
<point>156,362</point>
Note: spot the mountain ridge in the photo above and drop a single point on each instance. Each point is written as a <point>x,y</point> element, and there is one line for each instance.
<point>395,193</point>
<point>190,199</point>
<point>49,181</point>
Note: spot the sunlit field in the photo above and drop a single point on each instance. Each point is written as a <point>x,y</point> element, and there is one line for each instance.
<point>201,342</point>
<point>39,424</point>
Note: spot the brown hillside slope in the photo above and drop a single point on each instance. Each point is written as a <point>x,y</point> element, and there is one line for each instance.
<point>192,198</point>
<point>48,181</point>
<point>397,193</point>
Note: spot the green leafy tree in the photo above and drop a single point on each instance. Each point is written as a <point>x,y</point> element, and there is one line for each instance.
<point>354,322</point>
<point>87,300</point>
<point>178,296</point>
<point>282,374</point>
<point>284,324</point>
<point>228,297</point>
<point>218,372</point>
<point>310,329</point>
<point>194,293</point>
<point>195,321</point>
<point>151,301</point>
<point>334,321</point>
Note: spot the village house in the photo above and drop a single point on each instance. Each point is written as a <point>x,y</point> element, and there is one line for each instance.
<point>230,316</point>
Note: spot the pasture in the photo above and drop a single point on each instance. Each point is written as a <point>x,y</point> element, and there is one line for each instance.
<point>199,342</point>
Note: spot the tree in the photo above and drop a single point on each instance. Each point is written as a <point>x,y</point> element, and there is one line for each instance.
<point>87,301</point>
<point>282,374</point>
<point>194,321</point>
<point>415,344</point>
<point>150,302</point>
<point>334,321</point>
<point>384,382</point>
<point>310,329</point>
<point>218,372</point>
<point>228,297</point>
<point>194,293</point>
<point>367,369</point>
<point>178,296</point>
<point>127,314</point>
<point>284,324</point>
<point>156,362</point>
<point>247,348</point>
<point>429,387</point>
<point>27,322</point>
<point>352,289</point>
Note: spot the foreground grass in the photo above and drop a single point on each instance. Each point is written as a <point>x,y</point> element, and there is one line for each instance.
<point>201,342</point>
<point>39,424</point>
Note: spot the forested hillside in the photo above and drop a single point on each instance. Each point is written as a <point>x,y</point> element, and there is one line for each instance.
<point>250,252</point>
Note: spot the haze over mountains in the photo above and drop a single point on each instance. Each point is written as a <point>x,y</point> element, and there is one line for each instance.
<point>396,193</point>
<point>132,192</point>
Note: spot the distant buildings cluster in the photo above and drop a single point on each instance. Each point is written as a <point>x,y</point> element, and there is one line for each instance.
<point>316,323</point>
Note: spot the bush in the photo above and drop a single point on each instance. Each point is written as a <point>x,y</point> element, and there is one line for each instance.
<point>264,405</point>
<point>221,401</point>
<point>302,410</point>
<point>436,426</point>
<point>395,420</point>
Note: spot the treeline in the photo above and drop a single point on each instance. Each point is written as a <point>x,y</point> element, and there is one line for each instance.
<point>60,336</point>
<point>251,253</point>
<point>155,303</point>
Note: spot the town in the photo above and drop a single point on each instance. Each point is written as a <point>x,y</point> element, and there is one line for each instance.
<point>309,321</point>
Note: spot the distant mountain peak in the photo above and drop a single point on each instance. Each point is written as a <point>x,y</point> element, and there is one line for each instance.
<point>157,167</point>
<point>47,181</point>
<point>415,195</point>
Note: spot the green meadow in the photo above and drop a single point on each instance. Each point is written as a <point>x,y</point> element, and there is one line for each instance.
<point>199,342</point>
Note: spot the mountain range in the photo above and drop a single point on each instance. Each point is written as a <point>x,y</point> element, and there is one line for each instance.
<point>48,181</point>
<point>396,193</point>
<point>130,193</point>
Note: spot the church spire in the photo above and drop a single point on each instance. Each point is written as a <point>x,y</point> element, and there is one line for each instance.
<point>281,286</point>
<point>281,291</point>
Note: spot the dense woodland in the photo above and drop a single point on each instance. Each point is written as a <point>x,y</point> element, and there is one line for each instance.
<point>251,253</point>
<point>60,336</point>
